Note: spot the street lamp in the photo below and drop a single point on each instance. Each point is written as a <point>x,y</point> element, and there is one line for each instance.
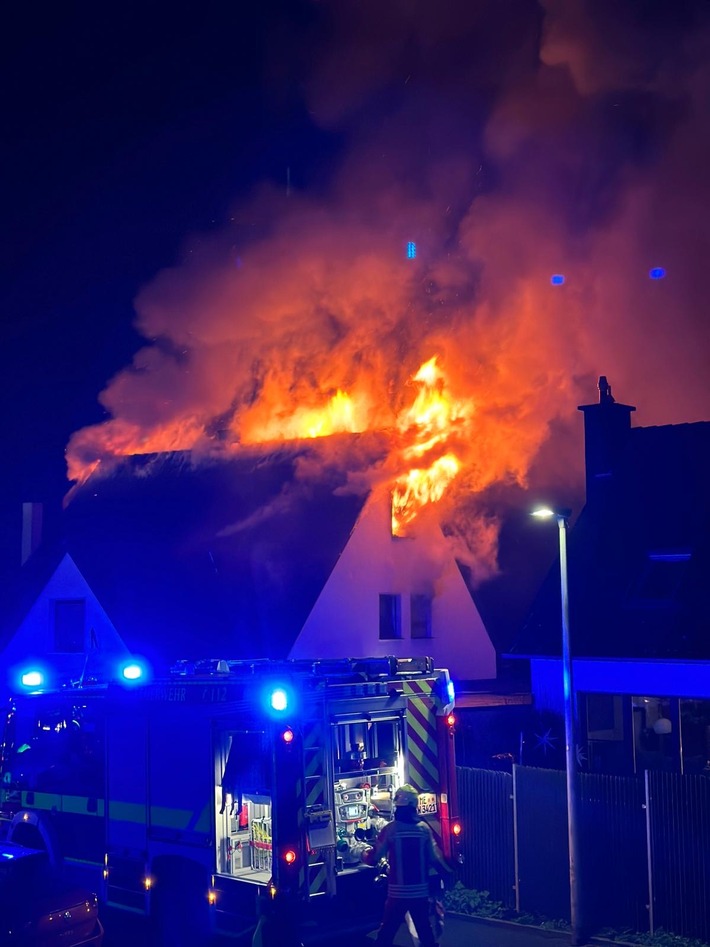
<point>562,517</point>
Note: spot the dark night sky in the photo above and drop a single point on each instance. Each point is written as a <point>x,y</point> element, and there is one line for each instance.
<point>124,132</point>
<point>512,138</point>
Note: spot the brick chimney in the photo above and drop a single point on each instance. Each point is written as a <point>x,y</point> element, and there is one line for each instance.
<point>31,529</point>
<point>606,429</point>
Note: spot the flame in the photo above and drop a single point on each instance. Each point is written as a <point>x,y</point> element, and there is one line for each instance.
<point>423,460</point>
<point>419,487</point>
<point>428,426</point>
<point>424,431</point>
<point>342,413</point>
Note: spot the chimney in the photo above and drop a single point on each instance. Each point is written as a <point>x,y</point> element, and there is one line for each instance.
<point>606,429</point>
<point>31,529</point>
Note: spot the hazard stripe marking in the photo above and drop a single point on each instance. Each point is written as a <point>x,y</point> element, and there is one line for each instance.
<point>423,688</point>
<point>313,765</point>
<point>318,881</point>
<point>423,760</point>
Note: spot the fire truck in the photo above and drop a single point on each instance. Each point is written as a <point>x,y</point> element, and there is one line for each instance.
<point>233,795</point>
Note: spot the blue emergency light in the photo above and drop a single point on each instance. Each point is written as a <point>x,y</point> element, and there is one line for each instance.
<point>133,672</point>
<point>557,279</point>
<point>278,699</point>
<point>32,678</point>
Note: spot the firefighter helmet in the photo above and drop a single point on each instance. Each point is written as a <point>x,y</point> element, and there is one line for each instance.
<point>406,795</point>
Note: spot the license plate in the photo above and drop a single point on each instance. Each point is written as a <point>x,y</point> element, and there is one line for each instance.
<point>427,803</point>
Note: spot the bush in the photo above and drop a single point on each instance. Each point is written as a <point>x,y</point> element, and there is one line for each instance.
<point>462,900</point>
<point>468,901</point>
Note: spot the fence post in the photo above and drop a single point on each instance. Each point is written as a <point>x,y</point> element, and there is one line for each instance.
<point>649,858</point>
<point>515,839</point>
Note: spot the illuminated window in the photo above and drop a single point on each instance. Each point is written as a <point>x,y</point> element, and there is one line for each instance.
<point>390,616</point>
<point>420,616</point>
<point>69,625</point>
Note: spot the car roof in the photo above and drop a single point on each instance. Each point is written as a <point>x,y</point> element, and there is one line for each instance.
<point>9,851</point>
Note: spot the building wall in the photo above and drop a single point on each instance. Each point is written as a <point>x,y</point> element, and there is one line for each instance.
<point>621,676</point>
<point>33,644</point>
<point>345,619</point>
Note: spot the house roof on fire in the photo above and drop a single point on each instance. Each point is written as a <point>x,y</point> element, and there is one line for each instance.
<point>195,558</point>
<point>638,557</point>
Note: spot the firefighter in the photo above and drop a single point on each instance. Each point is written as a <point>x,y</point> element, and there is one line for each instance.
<point>408,845</point>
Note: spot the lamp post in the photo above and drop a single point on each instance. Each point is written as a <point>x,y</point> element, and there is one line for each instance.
<point>562,517</point>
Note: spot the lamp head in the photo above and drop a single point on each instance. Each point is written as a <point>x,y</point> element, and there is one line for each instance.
<point>546,512</point>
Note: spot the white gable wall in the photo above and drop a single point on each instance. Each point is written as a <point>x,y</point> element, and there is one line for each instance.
<point>33,643</point>
<point>345,620</point>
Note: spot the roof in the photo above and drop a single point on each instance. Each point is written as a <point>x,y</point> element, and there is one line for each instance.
<point>193,556</point>
<point>21,586</point>
<point>638,559</point>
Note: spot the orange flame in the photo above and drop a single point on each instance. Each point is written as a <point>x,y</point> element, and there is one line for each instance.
<point>428,426</point>
<point>340,414</point>
<point>423,460</point>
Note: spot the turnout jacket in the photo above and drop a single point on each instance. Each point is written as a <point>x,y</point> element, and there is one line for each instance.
<point>409,847</point>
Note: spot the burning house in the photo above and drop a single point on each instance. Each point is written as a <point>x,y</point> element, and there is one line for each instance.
<point>252,555</point>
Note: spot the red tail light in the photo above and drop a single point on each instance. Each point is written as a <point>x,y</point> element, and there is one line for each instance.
<point>289,856</point>
<point>456,828</point>
<point>450,720</point>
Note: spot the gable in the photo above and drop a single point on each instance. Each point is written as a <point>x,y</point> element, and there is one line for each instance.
<point>346,618</point>
<point>65,632</point>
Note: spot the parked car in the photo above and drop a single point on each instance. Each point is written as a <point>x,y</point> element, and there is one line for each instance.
<point>37,909</point>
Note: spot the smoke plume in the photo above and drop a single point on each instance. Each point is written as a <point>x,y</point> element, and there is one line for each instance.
<point>509,142</point>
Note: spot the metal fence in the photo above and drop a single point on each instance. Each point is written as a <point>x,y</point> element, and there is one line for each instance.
<point>645,846</point>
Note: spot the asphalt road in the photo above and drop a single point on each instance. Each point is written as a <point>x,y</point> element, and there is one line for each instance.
<point>124,931</point>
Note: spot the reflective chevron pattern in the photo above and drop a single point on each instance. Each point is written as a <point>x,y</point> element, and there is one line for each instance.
<point>422,746</point>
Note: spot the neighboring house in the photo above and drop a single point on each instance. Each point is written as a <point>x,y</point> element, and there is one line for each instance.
<point>245,557</point>
<point>51,620</point>
<point>638,566</point>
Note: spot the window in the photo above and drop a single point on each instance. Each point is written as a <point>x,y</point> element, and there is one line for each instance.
<point>69,625</point>
<point>656,743</point>
<point>604,717</point>
<point>420,608</point>
<point>390,616</point>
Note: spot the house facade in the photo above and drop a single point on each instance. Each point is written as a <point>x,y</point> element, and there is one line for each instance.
<point>638,560</point>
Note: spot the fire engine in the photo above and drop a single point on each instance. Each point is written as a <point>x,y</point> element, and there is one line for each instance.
<point>229,794</point>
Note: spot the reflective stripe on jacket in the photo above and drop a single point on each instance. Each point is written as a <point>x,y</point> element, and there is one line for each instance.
<point>409,849</point>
